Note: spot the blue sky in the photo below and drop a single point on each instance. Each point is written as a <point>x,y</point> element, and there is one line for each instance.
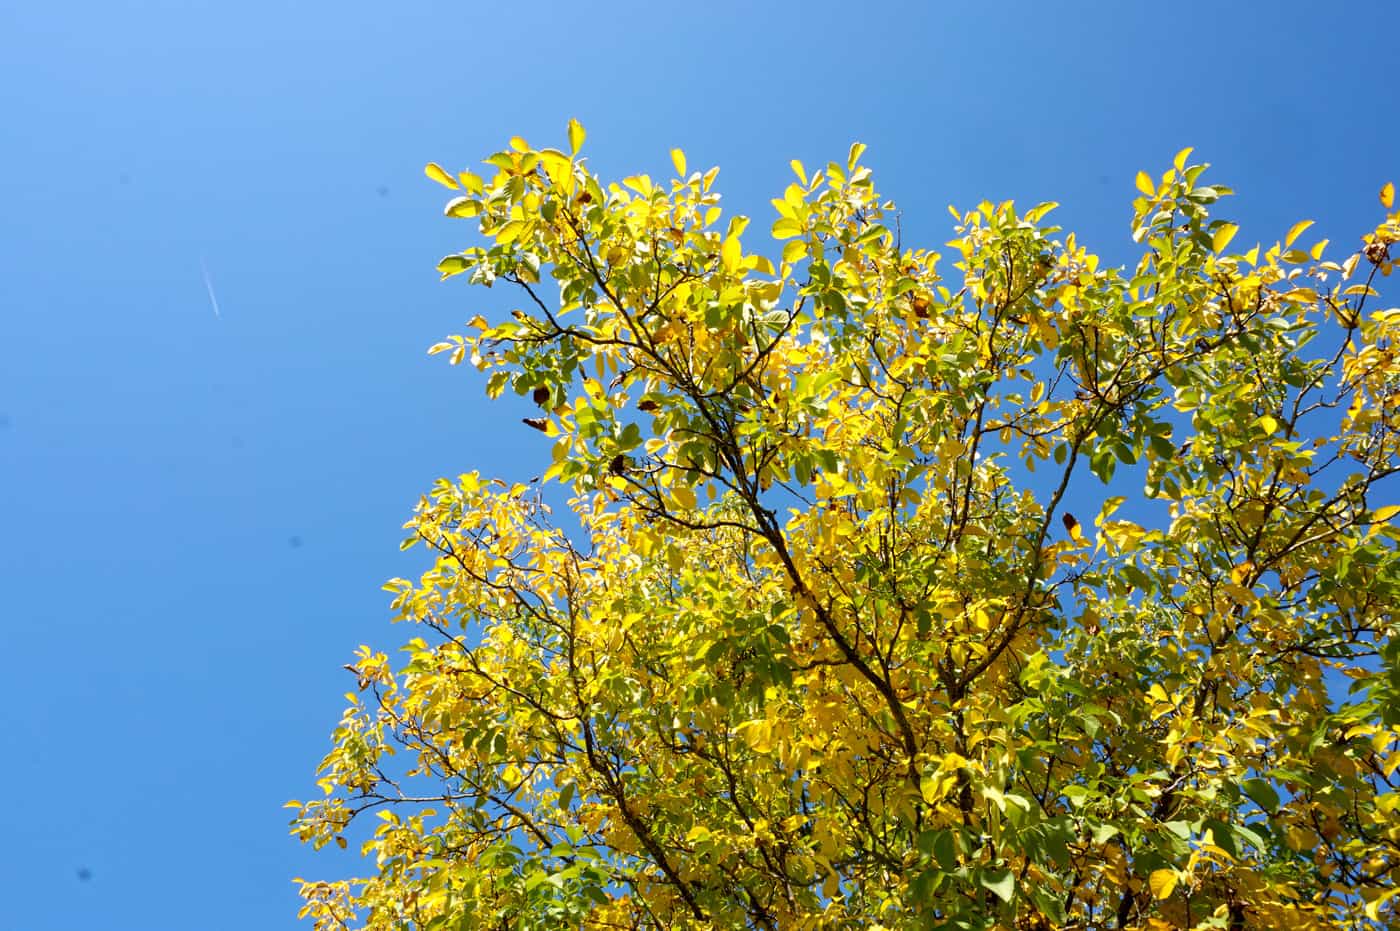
<point>197,511</point>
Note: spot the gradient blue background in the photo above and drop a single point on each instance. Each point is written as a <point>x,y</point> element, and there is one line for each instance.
<point>196,513</point>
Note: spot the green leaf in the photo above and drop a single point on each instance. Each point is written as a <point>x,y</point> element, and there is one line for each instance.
<point>945,850</point>
<point>1000,882</point>
<point>1103,463</point>
<point>942,846</point>
<point>1262,793</point>
<point>1248,835</point>
<point>1224,835</point>
<point>1103,833</point>
<point>631,438</point>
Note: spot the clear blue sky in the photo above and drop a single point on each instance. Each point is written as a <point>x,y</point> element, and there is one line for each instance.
<point>196,512</point>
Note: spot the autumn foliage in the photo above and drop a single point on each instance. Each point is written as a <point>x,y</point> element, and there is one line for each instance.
<point>980,587</point>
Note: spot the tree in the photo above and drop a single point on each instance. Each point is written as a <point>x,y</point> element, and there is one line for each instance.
<point>843,627</point>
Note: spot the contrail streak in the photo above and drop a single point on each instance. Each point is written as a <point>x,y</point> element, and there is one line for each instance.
<point>209,286</point>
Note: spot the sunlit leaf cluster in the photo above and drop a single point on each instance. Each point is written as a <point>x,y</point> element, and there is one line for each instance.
<point>979,587</point>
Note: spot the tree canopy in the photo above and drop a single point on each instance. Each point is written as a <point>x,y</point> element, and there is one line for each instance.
<point>976,587</point>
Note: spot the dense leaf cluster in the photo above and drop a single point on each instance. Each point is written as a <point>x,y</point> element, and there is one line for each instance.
<point>826,646</point>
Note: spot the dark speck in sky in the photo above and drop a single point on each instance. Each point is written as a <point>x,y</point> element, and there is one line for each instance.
<point>84,874</point>
<point>4,421</point>
<point>382,190</point>
<point>294,542</point>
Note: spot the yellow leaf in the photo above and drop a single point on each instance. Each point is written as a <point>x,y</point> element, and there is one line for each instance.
<point>678,159</point>
<point>1162,883</point>
<point>1388,195</point>
<point>1124,534</point>
<point>1222,236</point>
<point>1295,231</point>
<point>435,171</point>
<point>730,254</point>
<point>931,788</point>
<point>857,148</point>
<point>576,136</point>
<point>557,166</point>
<point>1382,515</point>
<point>1373,907</point>
<point>1109,506</point>
<point>783,228</point>
<point>511,231</point>
<point>1144,183</point>
<point>798,170</point>
<point>1270,424</point>
<point>684,496</point>
<point>1180,160</point>
<point>461,207</point>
